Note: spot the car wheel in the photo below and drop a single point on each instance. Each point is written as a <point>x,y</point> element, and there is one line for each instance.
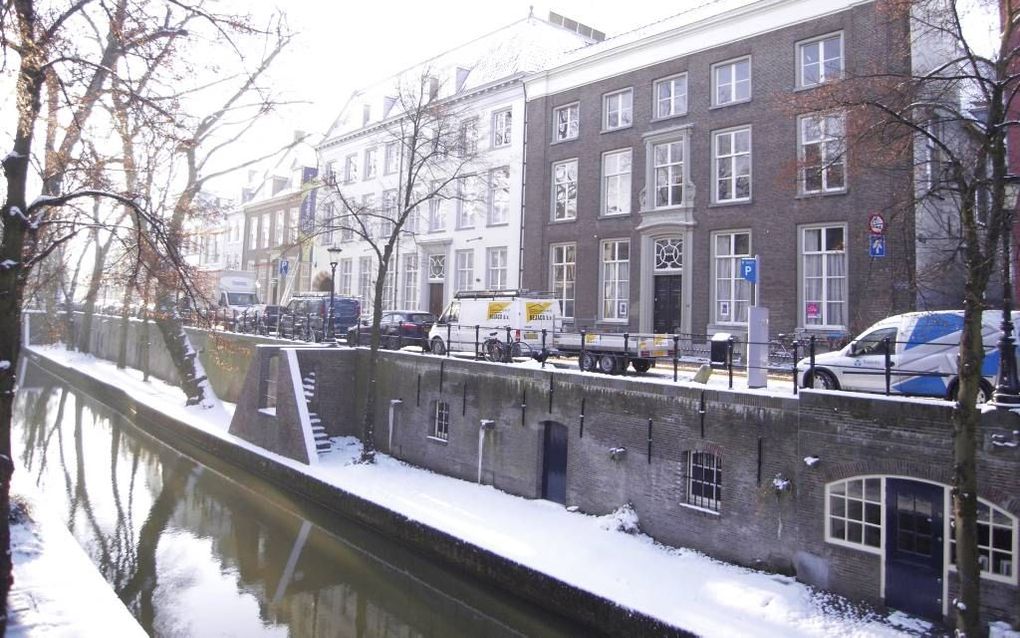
<point>609,364</point>
<point>641,366</point>
<point>586,362</point>
<point>823,379</point>
<point>984,394</point>
<point>438,347</point>
<point>392,343</point>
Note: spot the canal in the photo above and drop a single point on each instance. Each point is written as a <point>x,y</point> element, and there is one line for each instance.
<point>197,548</point>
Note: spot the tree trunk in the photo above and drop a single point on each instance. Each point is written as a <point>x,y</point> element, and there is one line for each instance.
<point>178,345</point>
<point>88,315</point>
<point>125,327</point>
<point>372,392</point>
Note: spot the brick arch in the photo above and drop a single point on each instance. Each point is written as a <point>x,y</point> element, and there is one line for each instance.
<point>907,469</point>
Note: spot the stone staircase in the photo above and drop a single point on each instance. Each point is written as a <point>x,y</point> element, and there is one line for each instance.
<point>322,443</point>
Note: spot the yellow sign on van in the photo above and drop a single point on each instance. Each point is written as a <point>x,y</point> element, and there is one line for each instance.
<point>538,310</point>
<point>497,310</point>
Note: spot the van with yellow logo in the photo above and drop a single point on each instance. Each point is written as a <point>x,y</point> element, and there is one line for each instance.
<point>474,315</point>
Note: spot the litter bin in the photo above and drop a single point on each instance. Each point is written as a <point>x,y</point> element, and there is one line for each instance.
<point>718,348</point>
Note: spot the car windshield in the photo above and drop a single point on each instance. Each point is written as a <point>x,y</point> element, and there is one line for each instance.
<point>423,317</point>
<point>242,298</point>
<point>345,307</point>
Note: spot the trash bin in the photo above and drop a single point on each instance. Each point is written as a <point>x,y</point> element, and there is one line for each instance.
<point>718,348</point>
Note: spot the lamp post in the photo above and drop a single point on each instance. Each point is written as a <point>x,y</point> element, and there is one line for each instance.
<point>334,252</point>
<point>1007,386</point>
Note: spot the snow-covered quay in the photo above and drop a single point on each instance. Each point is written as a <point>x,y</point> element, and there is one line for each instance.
<point>677,586</point>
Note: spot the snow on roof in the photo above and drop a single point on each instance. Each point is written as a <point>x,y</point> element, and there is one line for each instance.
<point>521,47</point>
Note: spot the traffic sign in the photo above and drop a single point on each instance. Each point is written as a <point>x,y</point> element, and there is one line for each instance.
<point>876,245</point>
<point>749,269</point>
<point>876,224</point>
<point>284,266</point>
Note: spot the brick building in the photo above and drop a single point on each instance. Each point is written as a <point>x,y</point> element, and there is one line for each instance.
<point>657,159</point>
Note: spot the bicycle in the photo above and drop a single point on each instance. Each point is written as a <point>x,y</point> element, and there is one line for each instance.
<point>496,351</point>
<point>783,350</point>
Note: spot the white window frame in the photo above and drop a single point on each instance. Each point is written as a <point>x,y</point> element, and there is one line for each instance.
<point>622,104</point>
<point>351,168</point>
<point>468,202</point>
<point>346,277</point>
<point>436,210</point>
<point>371,164</point>
<point>827,161</point>
<point>732,98</point>
<point>572,108</point>
<point>496,268</point>
<point>502,127</point>
<point>498,200</point>
<point>731,159</point>
<point>656,100</point>
<point>652,200</point>
<point>469,136</point>
<point>733,280</point>
<point>411,287</point>
<point>829,514</point>
<point>622,179</point>
<point>985,570</point>
<point>558,265</point>
<point>391,158</point>
<point>264,231</point>
<point>569,212</point>
<point>464,270</point>
<point>621,286</point>
<point>366,286</point>
<point>440,426</point>
<point>826,324</point>
<point>819,41</point>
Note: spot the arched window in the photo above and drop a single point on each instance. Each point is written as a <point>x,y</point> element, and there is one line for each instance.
<point>997,542</point>
<point>854,512</point>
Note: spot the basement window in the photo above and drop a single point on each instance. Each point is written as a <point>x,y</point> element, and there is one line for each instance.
<point>440,421</point>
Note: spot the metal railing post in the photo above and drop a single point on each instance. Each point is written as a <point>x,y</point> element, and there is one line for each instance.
<point>580,358</point>
<point>888,366</point>
<point>448,344</point>
<point>626,353</point>
<point>478,348</point>
<point>676,355</point>
<point>811,366</point>
<point>508,354</point>
<point>544,355</point>
<point>795,344</point>
<point>729,359</point>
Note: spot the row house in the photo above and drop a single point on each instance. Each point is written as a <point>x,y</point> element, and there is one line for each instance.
<point>468,237</point>
<point>275,246</point>
<point>658,159</point>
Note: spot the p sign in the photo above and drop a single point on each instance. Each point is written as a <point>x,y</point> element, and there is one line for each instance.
<point>749,269</point>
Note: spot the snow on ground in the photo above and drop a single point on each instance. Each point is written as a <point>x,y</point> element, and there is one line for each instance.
<point>679,586</point>
<point>57,589</point>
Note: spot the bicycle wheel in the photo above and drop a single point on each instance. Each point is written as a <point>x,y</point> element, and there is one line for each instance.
<point>492,350</point>
<point>521,349</point>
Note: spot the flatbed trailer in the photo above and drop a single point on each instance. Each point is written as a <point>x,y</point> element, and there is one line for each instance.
<point>611,353</point>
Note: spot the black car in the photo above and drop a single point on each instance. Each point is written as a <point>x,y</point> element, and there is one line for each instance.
<point>306,317</point>
<point>397,328</point>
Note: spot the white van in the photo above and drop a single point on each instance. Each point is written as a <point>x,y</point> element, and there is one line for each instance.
<point>925,349</point>
<point>525,313</point>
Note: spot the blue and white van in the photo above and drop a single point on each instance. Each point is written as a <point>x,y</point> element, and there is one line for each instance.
<point>925,349</point>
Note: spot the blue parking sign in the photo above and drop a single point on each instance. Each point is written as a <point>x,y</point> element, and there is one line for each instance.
<point>876,246</point>
<point>749,269</point>
<point>284,267</point>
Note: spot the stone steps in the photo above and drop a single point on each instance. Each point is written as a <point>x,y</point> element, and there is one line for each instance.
<point>322,442</point>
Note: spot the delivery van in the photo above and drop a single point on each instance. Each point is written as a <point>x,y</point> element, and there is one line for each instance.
<point>525,313</point>
<point>924,350</point>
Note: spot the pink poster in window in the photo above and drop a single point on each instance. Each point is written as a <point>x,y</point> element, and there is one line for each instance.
<point>812,311</point>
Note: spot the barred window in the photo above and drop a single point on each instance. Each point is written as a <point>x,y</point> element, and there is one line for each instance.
<point>704,480</point>
<point>855,512</point>
<point>441,421</point>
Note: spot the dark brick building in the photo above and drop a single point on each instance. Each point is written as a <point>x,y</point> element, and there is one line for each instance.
<point>656,160</point>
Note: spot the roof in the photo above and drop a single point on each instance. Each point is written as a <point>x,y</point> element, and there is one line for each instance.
<point>525,46</point>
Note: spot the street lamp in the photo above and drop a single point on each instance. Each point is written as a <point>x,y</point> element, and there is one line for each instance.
<point>334,254</point>
<point>1007,387</point>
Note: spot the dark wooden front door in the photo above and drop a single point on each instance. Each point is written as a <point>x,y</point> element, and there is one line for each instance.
<point>666,312</point>
<point>554,463</point>
<point>913,558</point>
<point>436,299</point>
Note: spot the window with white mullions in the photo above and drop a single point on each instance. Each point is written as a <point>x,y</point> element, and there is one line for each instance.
<point>996,540</point>
<point>822,153</point>
<point>566,122</point>
<point>441,421</point>
<point>668,165</point>
<point>617,109</point>
<point>731,82</point>
<point>616,170</point>
<point>704,480</point>
<point>499,195</point>
<point>411,281</point>
<point>671,96</point>
<point>502,126</point>
<point>565,190</point>
<point>732,292</point>
<point>344,276</point>
<point>496,268</point>
<point>615,279</point>
<point>855,512</point>
<point>823,265</point>
<point>820,60</point>
<point>564,276</point>
<point>465,269</point>
<point>732,151</point>
<point>366,285</point>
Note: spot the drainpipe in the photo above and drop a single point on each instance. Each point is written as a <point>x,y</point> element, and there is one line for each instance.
<point>483,426</point>
<point>524,172</point>
<point>393,404</point>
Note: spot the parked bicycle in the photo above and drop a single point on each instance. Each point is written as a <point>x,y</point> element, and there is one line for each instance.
<point>784,351</point>
<point>498,351</point>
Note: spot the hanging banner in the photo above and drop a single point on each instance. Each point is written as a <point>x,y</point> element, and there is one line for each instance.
<point>307,214</point>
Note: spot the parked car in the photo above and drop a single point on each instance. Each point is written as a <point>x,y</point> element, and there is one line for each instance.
<point>525,313</point>
<point>923,353</point>
<point>397,328</point>
<point>305,316</point>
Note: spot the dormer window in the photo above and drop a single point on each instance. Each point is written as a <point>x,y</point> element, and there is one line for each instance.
<point>462,76</point>
<point>366,114</point>
<point>388,103</point>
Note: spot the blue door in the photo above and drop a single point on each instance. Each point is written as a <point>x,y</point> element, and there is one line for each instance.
<point>554,463</point>
<point>913,557</point>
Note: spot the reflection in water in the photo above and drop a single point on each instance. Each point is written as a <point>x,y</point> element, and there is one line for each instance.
<point>194,553</point>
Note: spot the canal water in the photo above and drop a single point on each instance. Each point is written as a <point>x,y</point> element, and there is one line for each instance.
<point>196,548</point>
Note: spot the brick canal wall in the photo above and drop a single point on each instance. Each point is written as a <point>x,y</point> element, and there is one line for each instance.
<point>757,438</point>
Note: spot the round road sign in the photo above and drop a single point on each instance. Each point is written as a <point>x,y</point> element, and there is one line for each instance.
<point>876,224</point>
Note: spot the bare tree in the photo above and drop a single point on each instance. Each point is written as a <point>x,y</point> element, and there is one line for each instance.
<point>437,159</point>
<point>939,110</point>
